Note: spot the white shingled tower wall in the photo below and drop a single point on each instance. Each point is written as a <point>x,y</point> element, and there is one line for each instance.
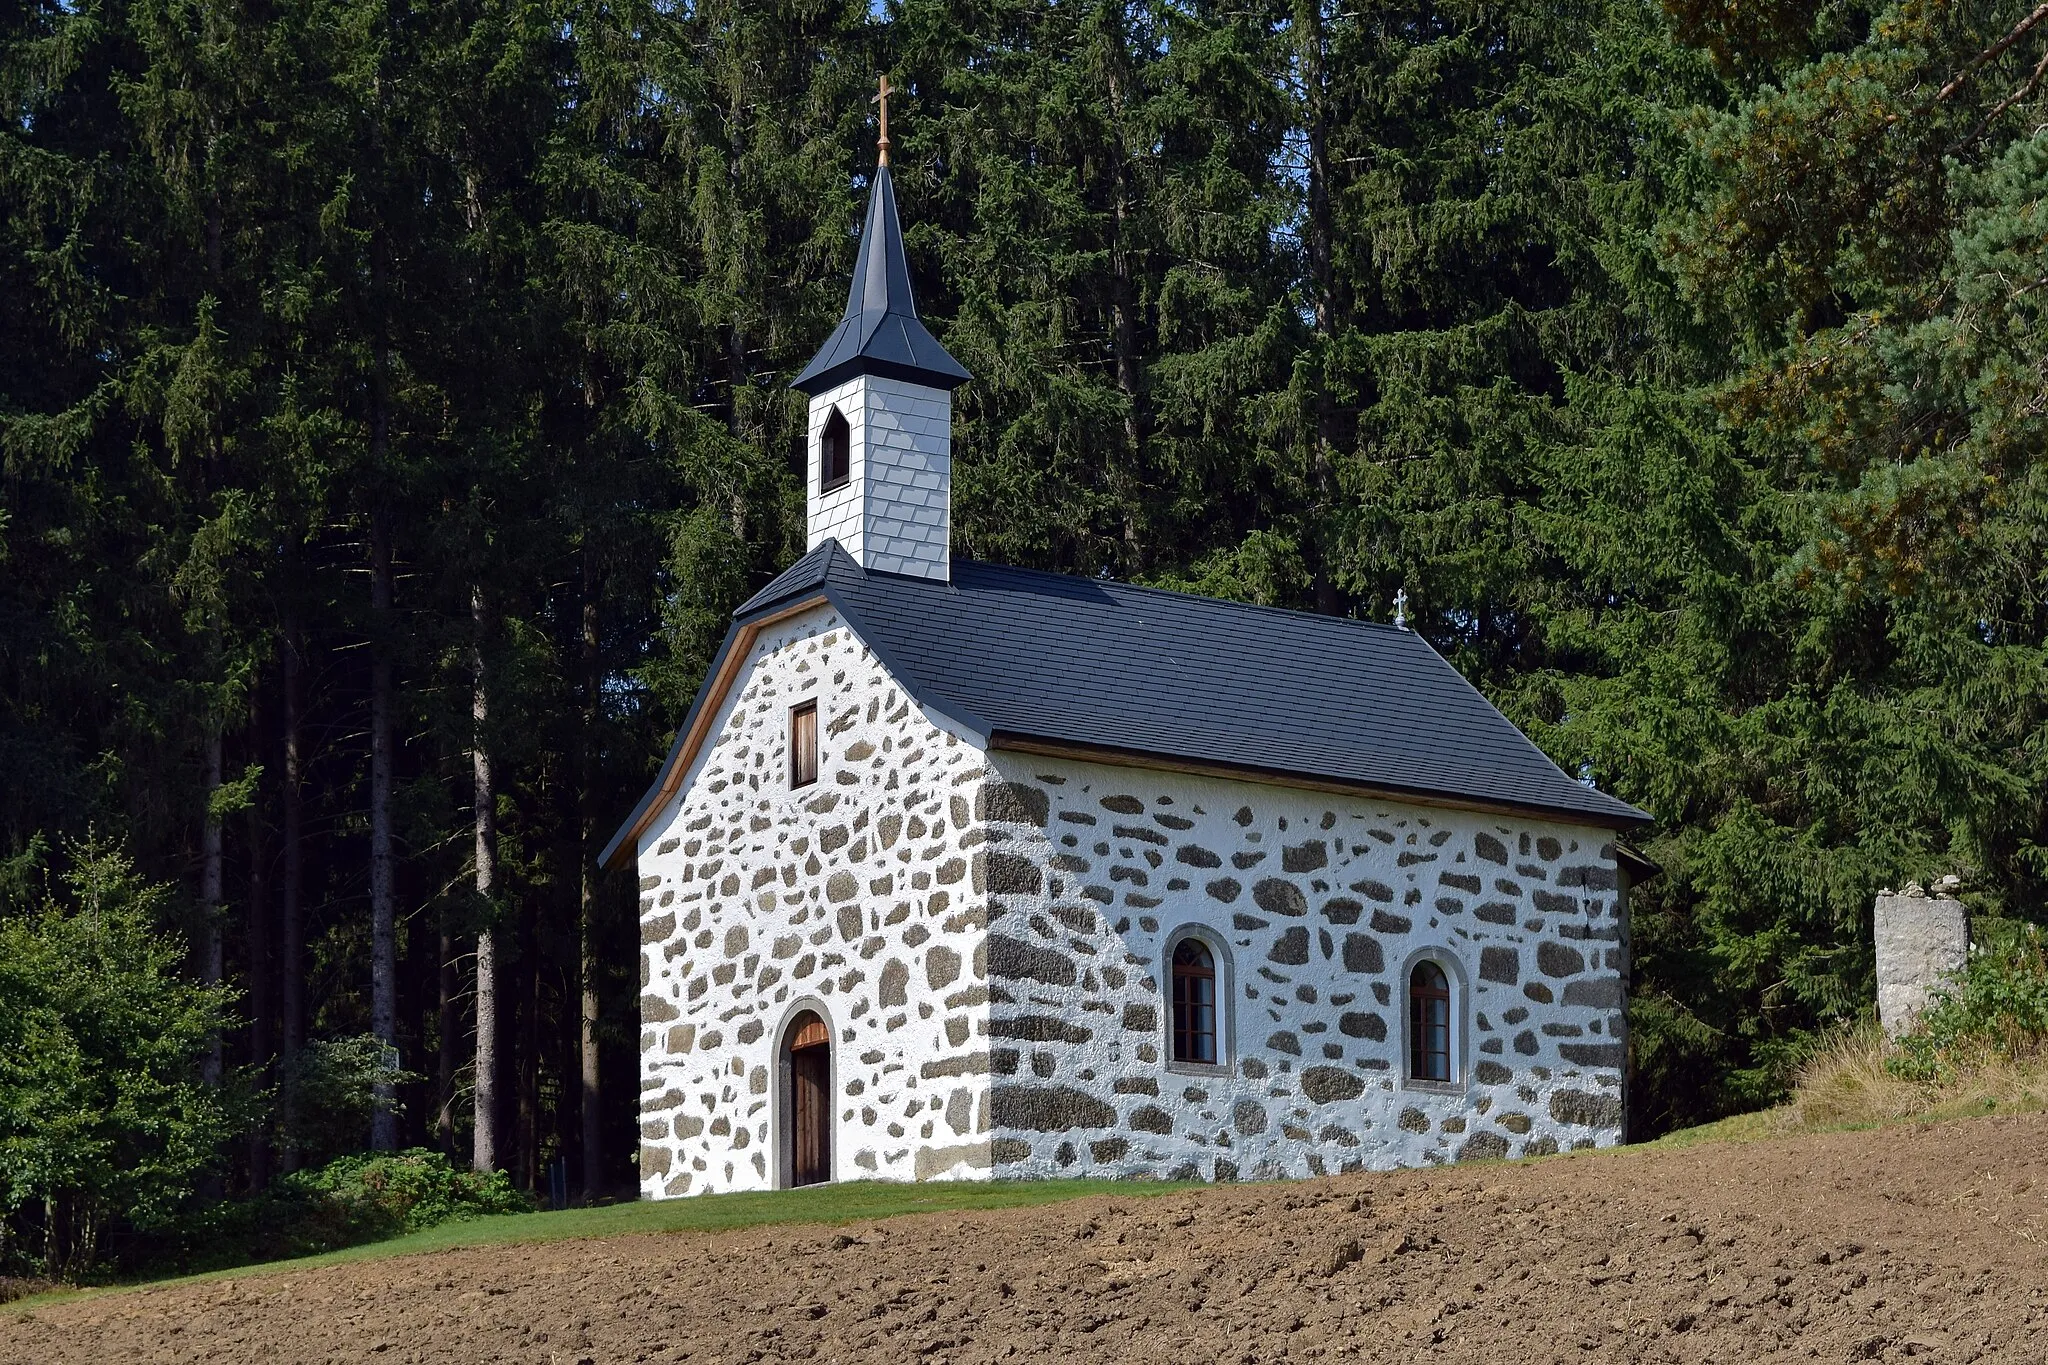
<point>894,514</point>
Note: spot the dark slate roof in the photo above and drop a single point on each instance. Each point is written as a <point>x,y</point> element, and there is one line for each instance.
<point>880,333</point>
<point>1011,653</point>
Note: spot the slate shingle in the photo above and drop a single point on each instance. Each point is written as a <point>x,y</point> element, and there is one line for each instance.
<point>880,333</point>
<point>1015,653</point>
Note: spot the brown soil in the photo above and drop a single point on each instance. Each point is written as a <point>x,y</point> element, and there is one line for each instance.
<point>1929,1241</point>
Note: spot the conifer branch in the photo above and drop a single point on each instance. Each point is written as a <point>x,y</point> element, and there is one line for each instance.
<point>2033,83</point>
<point>1977,63</point>
<point>1992,53</point>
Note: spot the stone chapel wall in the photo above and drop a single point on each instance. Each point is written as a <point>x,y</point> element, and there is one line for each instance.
<point>1320,904</point>
<point>854,894</point>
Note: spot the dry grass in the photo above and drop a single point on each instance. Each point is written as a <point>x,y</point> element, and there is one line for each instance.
<point>1846,1084</point>
<point>12,1288</point>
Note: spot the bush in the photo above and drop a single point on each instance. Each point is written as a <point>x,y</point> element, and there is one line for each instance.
<point>385,1195</point>
<point>1981,1048</point>
<point>1997,1010</point>
<point>365,1197</point>
<point>331,1094</point>
<point>105,1123</point>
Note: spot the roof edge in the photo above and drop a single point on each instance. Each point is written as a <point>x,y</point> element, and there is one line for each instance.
<point>718,681</point>
<point>1639,865</point>
<point>927,376</point>
<point>682,751</point>
<point>1287,777</point>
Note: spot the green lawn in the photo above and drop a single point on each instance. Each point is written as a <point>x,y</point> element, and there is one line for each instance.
<point>865,1200</point>
<point>822,1204</point>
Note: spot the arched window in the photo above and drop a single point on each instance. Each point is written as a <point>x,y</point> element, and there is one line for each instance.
<point>1194,1003</point>
<point>835,449</point>
<point>1429,1023</point>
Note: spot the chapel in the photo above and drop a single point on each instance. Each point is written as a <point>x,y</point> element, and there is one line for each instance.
<point>957,871</point>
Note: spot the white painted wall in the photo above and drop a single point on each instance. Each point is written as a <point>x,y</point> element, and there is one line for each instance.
<point>1323,903</point>
<point>853,894</point>
<point>895,512</point>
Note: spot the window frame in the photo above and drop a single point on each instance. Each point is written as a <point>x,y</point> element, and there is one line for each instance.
<point>1181,1031</point>
<point>1423,1060</point>
<point>1457,1011</point>
<point>828,480</point>
<point>1224,977</point>
<point>798,714</point>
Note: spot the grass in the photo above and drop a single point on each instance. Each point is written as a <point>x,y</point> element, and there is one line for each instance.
<point>1844,1085</point>
<point>825,1205</point>
<point>1847,1084</point>
<point>1735,1128</point>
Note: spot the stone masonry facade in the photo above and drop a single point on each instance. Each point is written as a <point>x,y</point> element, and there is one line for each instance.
<point>986,935</point>
<point>851,896</point>
<point>1317,908</point>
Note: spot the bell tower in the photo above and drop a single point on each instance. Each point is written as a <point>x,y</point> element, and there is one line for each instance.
<point>879,478</point>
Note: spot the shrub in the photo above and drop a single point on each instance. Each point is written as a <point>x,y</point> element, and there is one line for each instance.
<point>332,1090</point>
<point>1981,1048</point>
<point>104,1120</point>
<point>386,1195</point>
<point>365,1197</point>
<point>1997,1009</point>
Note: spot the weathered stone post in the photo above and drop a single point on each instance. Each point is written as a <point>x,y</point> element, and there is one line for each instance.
<point>1922,941</point>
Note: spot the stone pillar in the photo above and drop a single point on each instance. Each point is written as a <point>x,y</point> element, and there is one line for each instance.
<point>1922,942</point>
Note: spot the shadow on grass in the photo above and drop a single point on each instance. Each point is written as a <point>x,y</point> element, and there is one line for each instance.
<point>825,1205</point>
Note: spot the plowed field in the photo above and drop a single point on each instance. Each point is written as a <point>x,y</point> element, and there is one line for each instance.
<point>1910,1242</point>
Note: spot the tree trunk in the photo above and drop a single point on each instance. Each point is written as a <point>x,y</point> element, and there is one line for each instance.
<point>528,1070</point>
<point>486,1151</point>
<point>447,1055</point>
<point>291,977</point>
<point>262,978</point>
<point>1123,316</point>
<point>1314,40</point>
<point>586,918</point>
<point>383,907</point>
<point>211,954</point>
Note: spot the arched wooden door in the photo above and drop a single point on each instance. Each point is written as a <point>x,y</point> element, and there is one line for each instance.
<point>810,1100</point>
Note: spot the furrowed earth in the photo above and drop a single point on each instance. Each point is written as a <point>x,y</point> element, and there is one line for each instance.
<point>1910,1242</point>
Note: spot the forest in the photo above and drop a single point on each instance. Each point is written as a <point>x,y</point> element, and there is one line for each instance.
<point>394,406</point>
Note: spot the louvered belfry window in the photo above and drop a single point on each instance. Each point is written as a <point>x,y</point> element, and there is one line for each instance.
<point>835,466</point>
<point>803,744</point>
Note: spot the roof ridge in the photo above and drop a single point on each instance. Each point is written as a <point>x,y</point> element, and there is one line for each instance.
<point>1294,613</point>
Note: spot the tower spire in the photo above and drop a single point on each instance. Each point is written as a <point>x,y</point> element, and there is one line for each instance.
<point>880,333</point>
<point>879,459</point>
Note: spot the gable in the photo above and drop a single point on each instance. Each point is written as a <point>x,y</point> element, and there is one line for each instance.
<point>1023,660</point>
<point>759,668</point>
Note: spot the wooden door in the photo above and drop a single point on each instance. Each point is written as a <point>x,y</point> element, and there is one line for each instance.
<point>810,1103</point>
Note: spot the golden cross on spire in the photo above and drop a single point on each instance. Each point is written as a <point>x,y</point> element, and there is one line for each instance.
<point>882,143</point>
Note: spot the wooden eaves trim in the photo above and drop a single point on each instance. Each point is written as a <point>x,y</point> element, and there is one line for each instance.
<point>1275,777</point>
<point>709,702</point>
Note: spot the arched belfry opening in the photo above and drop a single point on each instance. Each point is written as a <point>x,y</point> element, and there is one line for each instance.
<point>835,464</point>
<point>807,1125</point>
